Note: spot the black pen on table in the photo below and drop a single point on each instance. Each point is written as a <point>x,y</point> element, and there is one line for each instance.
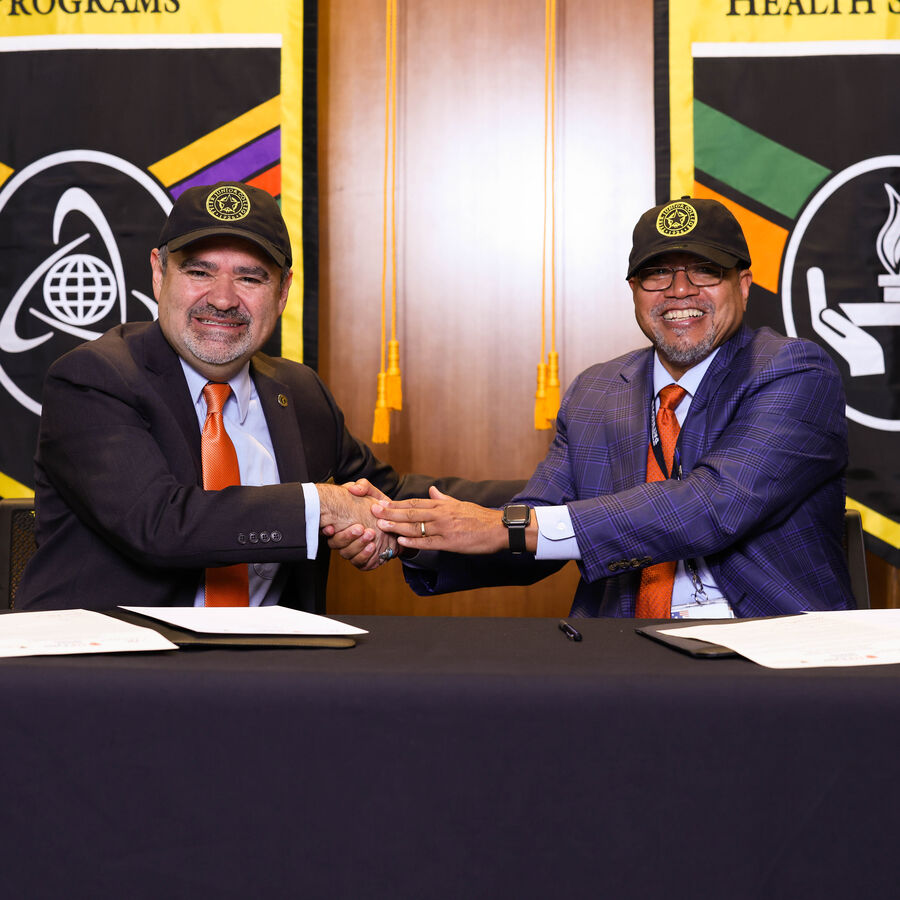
<point>573,634</point>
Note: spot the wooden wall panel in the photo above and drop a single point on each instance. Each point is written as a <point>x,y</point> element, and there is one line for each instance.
<point>470,136</point>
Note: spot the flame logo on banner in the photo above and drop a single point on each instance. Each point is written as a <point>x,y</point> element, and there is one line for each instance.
<point>842,325</point>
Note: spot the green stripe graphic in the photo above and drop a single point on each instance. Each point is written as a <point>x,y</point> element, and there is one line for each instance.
<point>751,163</point>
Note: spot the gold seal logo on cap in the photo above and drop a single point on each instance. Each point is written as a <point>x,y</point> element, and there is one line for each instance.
<point>676,219</point>
<point>228,203</point>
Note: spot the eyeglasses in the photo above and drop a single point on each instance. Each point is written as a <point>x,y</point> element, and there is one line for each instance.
<point>658,278</point>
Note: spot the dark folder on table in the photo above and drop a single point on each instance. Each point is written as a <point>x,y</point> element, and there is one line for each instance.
<point>184,637</point>
<point>692,646</point>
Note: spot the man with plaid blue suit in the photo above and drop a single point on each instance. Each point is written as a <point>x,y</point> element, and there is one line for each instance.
<point>750,508</point>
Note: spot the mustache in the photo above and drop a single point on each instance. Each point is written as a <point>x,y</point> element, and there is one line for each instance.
<point>207,311</point>
<point>664,305</point>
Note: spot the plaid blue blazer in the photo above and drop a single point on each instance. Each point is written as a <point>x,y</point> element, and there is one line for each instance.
<point>763,452</point>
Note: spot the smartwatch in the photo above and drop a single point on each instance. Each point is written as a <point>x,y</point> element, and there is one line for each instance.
<point>516,518</point>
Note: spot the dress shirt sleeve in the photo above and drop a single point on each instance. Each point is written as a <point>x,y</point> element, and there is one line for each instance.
<point>313,514</point>
<point>556,534</point>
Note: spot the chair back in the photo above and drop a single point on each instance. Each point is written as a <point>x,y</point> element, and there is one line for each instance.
<point>855,548</point>
<point>16,545</point>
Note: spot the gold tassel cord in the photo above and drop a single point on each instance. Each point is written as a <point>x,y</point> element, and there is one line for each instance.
<point>540,394</point>
<point>552,401</point>
<point>389,390</point>
<point>393,384</point>
<point>547,395</point>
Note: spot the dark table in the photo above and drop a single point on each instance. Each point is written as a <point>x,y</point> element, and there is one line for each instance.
<point>458,758</point>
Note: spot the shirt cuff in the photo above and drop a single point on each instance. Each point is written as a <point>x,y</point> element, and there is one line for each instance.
<point>313,512</point>
<point>556,535</point>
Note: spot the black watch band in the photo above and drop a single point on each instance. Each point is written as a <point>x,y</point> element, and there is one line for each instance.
<point>516,518</point>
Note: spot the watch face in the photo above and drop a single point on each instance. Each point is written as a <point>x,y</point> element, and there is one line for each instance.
<point>517,515</point>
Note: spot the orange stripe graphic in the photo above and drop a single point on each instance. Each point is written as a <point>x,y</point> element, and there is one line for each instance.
<point>765,240</point>
<point>270,180</point>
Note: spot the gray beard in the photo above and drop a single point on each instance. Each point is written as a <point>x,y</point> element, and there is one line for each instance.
<point>219,353</point>
<point>685,355</point>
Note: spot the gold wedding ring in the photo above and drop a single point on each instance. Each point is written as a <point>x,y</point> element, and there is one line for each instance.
<point>422,528</point>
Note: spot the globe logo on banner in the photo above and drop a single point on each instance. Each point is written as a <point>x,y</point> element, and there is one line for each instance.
<point>76,228</point>
<point>80,289</point>
<point>841,284</point>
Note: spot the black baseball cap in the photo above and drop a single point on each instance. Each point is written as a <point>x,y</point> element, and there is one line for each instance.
<point>704,227</point>
<point>228,207</point>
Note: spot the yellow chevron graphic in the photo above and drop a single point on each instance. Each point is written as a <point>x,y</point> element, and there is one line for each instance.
<point>218,143</point>
<point>879,526</point>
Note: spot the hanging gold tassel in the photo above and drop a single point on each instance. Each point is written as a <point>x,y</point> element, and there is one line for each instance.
<point>546,398</point>
<point>394,386</point>
<point>551,405</point>
<point>390,391</point>
<point>381,430</point>
<point>541,422</point>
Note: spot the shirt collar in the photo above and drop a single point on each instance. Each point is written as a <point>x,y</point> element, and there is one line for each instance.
<point>691,379</point>
<point>241,386</point>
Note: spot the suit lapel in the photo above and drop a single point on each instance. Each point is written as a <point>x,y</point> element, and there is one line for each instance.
<point>694,443</point>
<point>631,426</point>
<point>167,379</point>
<point>281,417</point>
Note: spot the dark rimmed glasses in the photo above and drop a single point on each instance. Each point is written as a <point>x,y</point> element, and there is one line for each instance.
<point>658,278</point>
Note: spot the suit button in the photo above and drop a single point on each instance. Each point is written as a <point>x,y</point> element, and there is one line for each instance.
<point>646,560</point>
<point>254,537</point>
<point>242,538</point>
<point>635,563</point>
<point>276,537</point>
<point>264,536</point>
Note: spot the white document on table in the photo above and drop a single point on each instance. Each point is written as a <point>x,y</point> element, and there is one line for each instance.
<point>56,632</point>
<point>858,637</point>
<point>236,620</point>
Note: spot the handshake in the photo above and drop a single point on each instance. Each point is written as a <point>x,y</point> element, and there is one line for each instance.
<point>368,528</point>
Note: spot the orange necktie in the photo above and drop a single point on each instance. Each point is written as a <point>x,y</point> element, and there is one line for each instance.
<point>654,599</point>
<point>225,585</point>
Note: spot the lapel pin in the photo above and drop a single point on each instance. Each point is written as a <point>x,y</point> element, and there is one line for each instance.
<point>282,400</point>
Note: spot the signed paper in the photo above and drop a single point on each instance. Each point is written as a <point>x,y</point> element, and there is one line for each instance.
<point>55,632</point>
<point>866,637</point>
<point>263,620</point>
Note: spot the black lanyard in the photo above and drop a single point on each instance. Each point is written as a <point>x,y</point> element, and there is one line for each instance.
<point>656,446</point>
<point>690,565</point>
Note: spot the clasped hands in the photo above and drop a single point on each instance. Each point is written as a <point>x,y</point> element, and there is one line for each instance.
<point>438,522</point>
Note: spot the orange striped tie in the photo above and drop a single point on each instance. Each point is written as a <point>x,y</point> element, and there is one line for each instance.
<point>654,599</point>
<point>225,585</point>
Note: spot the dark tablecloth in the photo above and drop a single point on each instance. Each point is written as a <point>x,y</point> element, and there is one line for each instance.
<point>457,758</point>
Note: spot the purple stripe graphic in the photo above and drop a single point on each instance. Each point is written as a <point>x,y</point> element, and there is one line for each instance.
<point>247,160</point>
